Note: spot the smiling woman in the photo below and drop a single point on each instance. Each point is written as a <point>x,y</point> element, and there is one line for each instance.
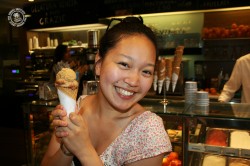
<point>111,127</point>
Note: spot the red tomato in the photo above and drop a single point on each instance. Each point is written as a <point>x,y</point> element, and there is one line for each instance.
<point>166,161</point>
<point>175,162</point>
<point>234,26</point>
<point>173,155</point>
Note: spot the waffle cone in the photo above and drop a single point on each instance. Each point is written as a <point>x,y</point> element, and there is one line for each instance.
<point>179,52</point>
<point>176,70</point>
<point>176,64</point>
<point>169,72</point>
<point>162,69</point>
<point>69,92</point>
<point>177,59</point>
<point>180,48</point>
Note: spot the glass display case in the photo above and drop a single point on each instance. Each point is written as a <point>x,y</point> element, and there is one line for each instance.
<point>38,129</point>
<point>220,131</point>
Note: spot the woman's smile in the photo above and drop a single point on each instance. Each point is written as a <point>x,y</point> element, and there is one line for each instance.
<point>124,92</point>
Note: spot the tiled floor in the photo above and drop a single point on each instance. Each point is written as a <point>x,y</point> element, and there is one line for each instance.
<point>12,144</point>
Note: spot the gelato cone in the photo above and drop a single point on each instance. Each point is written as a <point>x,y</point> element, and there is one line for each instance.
<point>161,74</point>
<point>67,89</point>
<point>176,65</point>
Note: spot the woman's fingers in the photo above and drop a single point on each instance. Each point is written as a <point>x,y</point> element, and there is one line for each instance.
<point>75,119</point>
<point>59,112</point>
<point>59,123</point>
<point>61,132</point>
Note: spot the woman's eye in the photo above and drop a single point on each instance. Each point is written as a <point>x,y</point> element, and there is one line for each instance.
<point>147,73</point>
<point>123,64</point>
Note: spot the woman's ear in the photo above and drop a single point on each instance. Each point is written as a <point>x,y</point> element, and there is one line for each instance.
<point>98,63</point>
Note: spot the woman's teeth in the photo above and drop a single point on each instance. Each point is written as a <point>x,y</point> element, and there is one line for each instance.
<point>124,92</point>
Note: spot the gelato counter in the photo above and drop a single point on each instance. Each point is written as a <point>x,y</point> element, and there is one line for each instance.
<point>196,133</point>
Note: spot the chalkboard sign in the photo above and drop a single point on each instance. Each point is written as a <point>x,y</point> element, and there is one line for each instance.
<point>119,7</point>
<point>61,13</point>
<point>75,12</point>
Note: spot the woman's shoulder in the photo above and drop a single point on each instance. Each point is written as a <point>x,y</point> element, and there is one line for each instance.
<point>147,121</point>
<point>80,100</point>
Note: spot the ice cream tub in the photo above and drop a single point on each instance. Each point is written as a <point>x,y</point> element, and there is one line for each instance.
<point>217,137</point>
<point>243,136</point>
<point>238,162</point>
<point>213,160</point>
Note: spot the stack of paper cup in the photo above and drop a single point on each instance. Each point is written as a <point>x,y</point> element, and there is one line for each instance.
<point>190,92</point>
<point>202,98</point>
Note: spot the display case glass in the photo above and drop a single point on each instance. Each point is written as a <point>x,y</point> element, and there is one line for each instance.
<point>196,133</point>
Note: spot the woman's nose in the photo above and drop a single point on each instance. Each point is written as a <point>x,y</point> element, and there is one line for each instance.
<point>132,78</point>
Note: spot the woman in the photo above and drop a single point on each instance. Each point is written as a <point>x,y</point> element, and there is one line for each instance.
<point>111,128</point>
<point>61,59</point>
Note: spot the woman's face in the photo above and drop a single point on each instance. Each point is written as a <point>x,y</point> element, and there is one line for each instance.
<point>67,55</point>
<point>126,72</point>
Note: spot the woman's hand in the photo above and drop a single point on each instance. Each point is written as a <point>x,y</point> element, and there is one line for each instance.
<point>72,131</point>
<point>59,121</point>
<point>78,140</point>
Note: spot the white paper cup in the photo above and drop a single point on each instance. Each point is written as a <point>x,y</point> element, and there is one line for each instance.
<point>202,95</point>
<point>191,85</point>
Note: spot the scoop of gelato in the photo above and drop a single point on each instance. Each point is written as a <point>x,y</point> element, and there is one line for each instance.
<point>67,74</point>
<point>67,78</point>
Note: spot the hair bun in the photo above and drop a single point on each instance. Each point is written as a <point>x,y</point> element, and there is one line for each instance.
<point>132,19</point>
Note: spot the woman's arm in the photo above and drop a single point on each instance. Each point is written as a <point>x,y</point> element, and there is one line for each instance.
<point>54,155</point>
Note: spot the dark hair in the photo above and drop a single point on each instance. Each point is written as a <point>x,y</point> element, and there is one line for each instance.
<point>127,27</point>
<point>59,53</point>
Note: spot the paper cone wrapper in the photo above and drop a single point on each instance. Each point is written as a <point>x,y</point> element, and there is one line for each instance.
<point>174,81</point>
<point>155,82</point>
<point>167,83</point>
<point>68,101</point>
<point>160,85</point>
